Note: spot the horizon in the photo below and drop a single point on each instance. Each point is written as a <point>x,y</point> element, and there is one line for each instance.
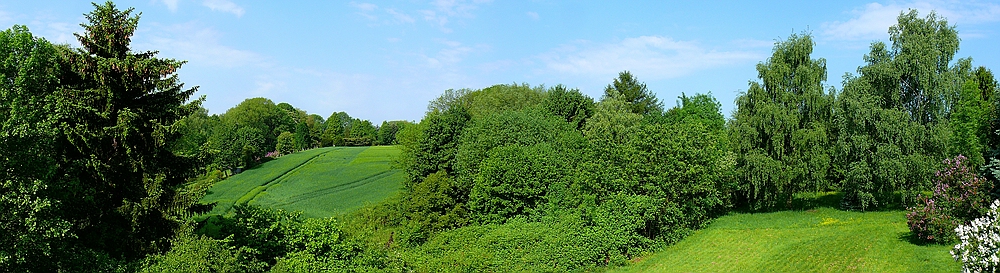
<point>386,61</point>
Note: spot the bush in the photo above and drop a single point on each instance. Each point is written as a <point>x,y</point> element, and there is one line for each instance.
<point>203,254</point>
<point>980,242</point>
<point>959,196</point>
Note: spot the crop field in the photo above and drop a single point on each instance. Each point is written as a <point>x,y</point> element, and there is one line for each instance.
<point>318,182</point>
<point>816,240</point>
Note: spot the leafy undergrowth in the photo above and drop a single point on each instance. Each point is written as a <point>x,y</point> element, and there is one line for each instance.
<point>318,182</point>
<point>820,239</point>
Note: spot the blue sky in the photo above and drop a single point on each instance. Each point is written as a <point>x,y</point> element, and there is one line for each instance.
<point>386,60</point>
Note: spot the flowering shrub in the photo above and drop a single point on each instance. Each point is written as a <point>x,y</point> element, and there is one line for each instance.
<point>274,154</point>
<point>979,242</point>
<point>958,197</point>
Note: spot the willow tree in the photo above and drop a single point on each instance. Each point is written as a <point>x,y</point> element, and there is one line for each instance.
<point>780,128</point>
<point>893,117</point>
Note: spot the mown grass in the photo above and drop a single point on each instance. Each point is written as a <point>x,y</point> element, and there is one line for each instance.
<point>821,239</point>
<point>318,182</point>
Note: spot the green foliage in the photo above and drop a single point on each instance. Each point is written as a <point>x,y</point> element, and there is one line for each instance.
<point>265,232</point>
<point>513,180</point>
<point>190,253</point>
<point>430,207</point>
<point>502,97</point>
<point>431,145</point>
<point>496,129</point>
<point>629,90</point>
<point>559,245</point>
<point>388,130</point>
<point>286,143</point>
<point>968,124</point>
<point>891,121</point>
<point>780,128</point>
<point>32,231</point>
<point>570,104</point>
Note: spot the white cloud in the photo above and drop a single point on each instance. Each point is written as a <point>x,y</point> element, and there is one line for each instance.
<point>224,6</point>
<point>445,9</point>
<point>195,44</point>
<point>872,21</point>
<point>532,14</point>
<point>450,55</point>
<point>652,56</point>
<point>171,4</point>
<point>364,6</point>
<point>400,17</point>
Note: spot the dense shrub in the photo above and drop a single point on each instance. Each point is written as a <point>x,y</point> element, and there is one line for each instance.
<point>514,180</point>
<point>979,242</point>
<point>959,196</point>
<point>430,207</point>
<point>202,254</point>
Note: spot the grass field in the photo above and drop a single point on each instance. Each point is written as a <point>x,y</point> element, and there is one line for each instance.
<point>318,182</point>
<point>821,239</point>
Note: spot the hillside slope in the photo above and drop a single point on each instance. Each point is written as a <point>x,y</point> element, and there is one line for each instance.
<point>318,182</point>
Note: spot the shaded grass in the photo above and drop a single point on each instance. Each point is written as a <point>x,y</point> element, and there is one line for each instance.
<point>821,239</point>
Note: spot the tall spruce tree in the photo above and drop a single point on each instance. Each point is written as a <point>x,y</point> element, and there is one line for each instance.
<point>119,181</point>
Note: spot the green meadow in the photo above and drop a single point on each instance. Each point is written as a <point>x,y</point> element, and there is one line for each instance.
<point>819,239</point>
<point>318,182</point>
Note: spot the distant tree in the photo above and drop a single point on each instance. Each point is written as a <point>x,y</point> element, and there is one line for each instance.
<point>573,106</point>
<point>337,127</point>
<point>264,116</point>
<point>316,126</point>
<point>362,133</point>
<point>388,130</point>
<point>634,93</point>
<point>286,143</point>
<point>780,128</point>
<point>302,137</point>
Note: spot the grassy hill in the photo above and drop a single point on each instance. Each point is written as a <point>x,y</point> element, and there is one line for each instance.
<point>318,182</point>
<point>815,240</point>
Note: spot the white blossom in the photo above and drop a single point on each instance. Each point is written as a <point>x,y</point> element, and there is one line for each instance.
<point>980,240</point>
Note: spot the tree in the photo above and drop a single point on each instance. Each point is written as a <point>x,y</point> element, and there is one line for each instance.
<point>573,106</point>
<point>286,143</point>
<point>892,119</point>
<point>33,233</point>
<point>105,183</point>
<point>119,164</point>
<point>780,128</point>
<point>262,115</point>
<point>388,130</point>
<point>634,93</point>
<point>337,127</point>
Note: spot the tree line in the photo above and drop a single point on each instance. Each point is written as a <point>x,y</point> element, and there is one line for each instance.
<point>257,128</point>
<point>105,158</point>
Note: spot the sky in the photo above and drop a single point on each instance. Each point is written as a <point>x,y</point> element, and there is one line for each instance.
<point>385,60</point>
